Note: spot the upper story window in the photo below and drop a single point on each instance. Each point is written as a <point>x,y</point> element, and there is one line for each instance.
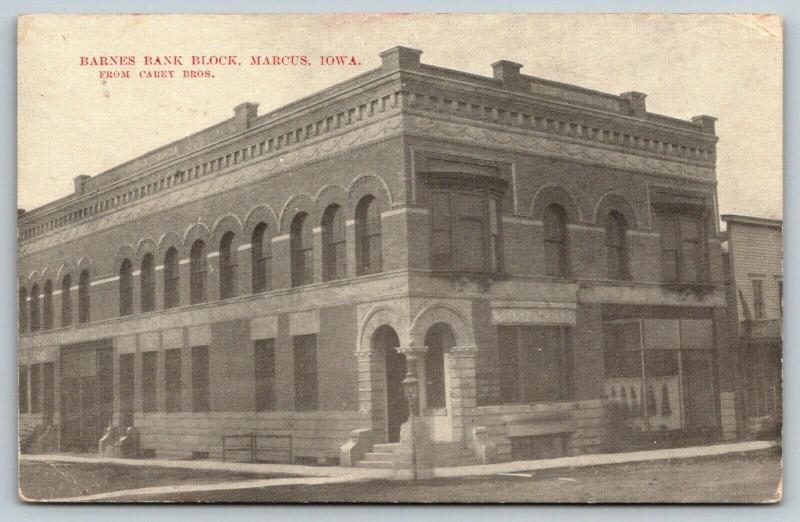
<point>369,257</point>
<point>47,305</point>
<point>171,279</point>
<point>683,257</point>
<point>227,267</point>
<point>556,250</point>
<point>22,310</point>
<point>66,301</point>
<point>465,231</point>
<point>334,244</point>
<point>197,272</point>
<point>147,282</point>
<point>261,259</point>
<point>616,246</point>
<point>35,323</point>
<point>126,288</point>
<point>302,250</point>
<point>84,305</point>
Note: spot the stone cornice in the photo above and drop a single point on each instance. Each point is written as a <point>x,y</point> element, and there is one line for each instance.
<point>281,161</point>
<point>608,111</point>
<point>519,140</point>
<point>413,122</point>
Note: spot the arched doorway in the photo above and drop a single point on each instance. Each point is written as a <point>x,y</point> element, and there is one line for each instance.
<point>439,340</point>
<point>385,341</point>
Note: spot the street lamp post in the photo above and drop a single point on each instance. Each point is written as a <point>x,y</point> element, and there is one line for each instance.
<point>410,390</point>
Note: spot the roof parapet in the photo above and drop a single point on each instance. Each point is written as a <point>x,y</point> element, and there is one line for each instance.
<point>244,114</point>
<point>508,73</point>
<point>636,101</point>
<point>706,123</point>
<point>80,183</point>
<point>400,57</point>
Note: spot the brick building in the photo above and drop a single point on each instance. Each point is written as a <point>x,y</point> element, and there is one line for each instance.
<point>546,257</point>
<point>753,255</point>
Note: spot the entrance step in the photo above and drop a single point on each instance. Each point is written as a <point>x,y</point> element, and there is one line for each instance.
<point>377,464</point>
<point>386,447</point>
<point>379,456</point>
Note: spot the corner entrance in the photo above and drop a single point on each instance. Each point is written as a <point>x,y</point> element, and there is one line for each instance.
<point>386,343</point>
<point>87,394</point>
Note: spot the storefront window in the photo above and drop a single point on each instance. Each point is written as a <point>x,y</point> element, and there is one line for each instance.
<point>659,372</point>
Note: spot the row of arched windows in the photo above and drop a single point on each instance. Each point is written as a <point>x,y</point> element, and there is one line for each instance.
<point>334,263</point>
<point>334,257</point>
<point>38,319</point>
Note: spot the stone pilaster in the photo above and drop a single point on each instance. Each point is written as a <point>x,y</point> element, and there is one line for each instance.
<point>462,392</point>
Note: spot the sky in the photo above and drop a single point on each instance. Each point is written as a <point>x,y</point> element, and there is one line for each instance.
<point>71,122</point>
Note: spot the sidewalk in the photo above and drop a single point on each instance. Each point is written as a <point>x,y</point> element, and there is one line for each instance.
<point>313,475</point>
<point>580,461</point>
<point>215,465</point>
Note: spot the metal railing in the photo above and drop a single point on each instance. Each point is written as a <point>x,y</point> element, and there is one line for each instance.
<point>250,446</point>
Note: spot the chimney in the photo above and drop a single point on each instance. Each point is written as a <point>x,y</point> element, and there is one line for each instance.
<point>80,184</point>
<point>507,73</point>
<point>706,123</point>
<point>636,102</point>
<point>400,57</point>
<point>244,114</point>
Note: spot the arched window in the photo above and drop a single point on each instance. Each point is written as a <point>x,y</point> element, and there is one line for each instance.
<point>227,267</point>
<point>334,244</point>
<point>302,250</point>
<point>261,258</point>
<point>438,340</point>
<point>616,246</point>
<point>84,305</point>
<point>147,283</point>
<point>172,278</point>
<point>23,310</point>
<point>35,323</point>
<point>369,257</point>
<point>126,288</point>
<point>47,305</point>
<point>66,301</point>
<point>555,241</point>
<point>197,272</point>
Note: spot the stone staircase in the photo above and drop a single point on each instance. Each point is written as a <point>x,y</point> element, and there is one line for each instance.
<point>384,456</point>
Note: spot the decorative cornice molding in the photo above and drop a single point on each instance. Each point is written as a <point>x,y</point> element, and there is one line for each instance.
<point>533,316</point>
<point>246,174</point>
<point>550,146</point>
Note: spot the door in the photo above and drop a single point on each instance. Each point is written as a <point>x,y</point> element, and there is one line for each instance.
<point>126,390</point>
<point>396,403</point>
<point>700,409</point>
<point>86,396</point>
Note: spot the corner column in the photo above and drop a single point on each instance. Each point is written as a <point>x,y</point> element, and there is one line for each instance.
<point>414,358</point>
